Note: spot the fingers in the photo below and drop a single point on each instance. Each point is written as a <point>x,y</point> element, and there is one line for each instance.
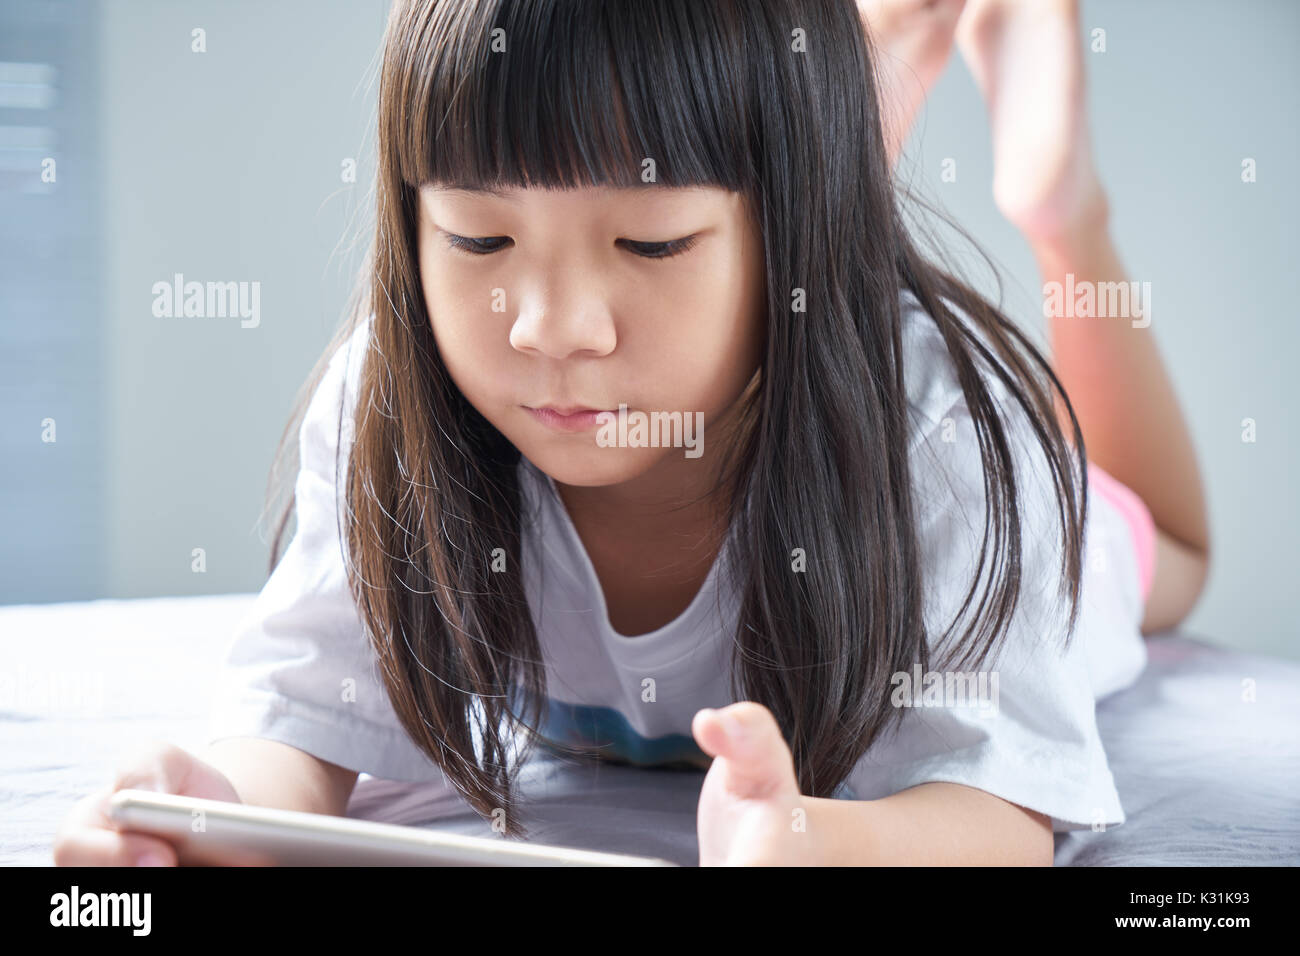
<point>161,766</point>
<point>87,838</point>
<point>747,737</point>
<point>709,732</point>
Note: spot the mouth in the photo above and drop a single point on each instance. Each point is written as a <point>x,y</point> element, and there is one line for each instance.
<point>568,419</point>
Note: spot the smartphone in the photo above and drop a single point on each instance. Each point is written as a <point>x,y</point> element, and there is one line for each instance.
<point>217,833</point>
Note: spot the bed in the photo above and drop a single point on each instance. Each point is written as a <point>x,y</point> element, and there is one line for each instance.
<point>1205,748</point>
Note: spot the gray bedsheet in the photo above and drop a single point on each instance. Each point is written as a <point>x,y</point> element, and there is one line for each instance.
<point>1205,748</point>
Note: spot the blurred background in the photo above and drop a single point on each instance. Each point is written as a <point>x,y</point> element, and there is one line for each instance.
<point>128,156</point>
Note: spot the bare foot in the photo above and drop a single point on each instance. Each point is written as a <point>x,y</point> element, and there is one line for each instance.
<point>1027,57</point>
<point>913,39</point>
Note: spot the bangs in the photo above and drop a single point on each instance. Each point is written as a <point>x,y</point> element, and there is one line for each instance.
<point>568,93</point>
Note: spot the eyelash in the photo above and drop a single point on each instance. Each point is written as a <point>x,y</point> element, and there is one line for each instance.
<point>472,245</point>
<point>673,247</point>
<point>663,250</point>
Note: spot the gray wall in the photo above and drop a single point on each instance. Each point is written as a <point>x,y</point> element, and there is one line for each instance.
<point>225,166</point>
<point>222,166</point>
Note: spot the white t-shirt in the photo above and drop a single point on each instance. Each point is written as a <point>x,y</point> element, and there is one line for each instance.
<point>299,670</point>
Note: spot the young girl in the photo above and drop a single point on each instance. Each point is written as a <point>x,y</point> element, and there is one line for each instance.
<point>879,593</point>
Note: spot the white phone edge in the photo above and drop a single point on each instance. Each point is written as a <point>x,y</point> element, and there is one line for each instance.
<point>237,833</point>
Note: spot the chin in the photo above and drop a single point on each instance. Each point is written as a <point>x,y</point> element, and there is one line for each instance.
<point>588,465</point>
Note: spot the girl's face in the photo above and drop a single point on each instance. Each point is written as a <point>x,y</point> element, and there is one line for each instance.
<point>547,302</point>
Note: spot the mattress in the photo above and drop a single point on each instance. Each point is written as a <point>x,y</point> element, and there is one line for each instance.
<point>1204,747</point>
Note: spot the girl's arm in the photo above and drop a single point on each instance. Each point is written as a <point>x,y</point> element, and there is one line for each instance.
<point>236,769</point>
<point>934,824</point>
<point>267,773</point>
<point>751,812</point>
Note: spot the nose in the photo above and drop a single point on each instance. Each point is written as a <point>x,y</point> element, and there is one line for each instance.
<point>563,317</point>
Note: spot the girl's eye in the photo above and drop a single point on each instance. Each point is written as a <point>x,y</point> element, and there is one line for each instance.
<point>480,246</point>
<point>484,245</point>
<point>659,250</point>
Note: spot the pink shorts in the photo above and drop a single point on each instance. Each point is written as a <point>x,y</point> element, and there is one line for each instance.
<point>1139,519</point>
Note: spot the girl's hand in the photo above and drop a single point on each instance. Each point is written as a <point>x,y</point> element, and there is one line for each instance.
<point>1027,58</point>
<point>89,838</point>
<point>913,41</point>
<point>751,811</point>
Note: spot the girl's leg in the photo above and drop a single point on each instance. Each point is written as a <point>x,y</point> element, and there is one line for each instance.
<point>1132,424</point>
<point>913,39</point>
<point>1026,56</point>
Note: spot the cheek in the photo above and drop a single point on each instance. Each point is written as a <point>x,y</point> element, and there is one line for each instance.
<point>459,307</point>
<point>704,330</point>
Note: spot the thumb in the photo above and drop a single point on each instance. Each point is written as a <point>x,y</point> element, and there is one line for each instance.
<point>746,737</point>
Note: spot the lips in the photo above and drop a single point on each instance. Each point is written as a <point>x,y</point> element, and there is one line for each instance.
<point>568,419</point>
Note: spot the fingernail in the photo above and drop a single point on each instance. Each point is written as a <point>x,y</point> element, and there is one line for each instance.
<point>150,859</point>
<point>735,729</point>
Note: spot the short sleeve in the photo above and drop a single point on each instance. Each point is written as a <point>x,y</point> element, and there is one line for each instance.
<point>299,669</point>
<point>1023,726</point>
